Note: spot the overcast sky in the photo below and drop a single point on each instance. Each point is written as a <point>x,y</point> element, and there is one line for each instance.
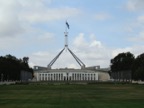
<point>99,30</point>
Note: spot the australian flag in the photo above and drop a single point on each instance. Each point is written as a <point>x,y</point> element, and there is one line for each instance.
<point>67,25</point>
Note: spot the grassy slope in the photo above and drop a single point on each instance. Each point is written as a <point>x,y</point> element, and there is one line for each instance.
<point>72,96</point>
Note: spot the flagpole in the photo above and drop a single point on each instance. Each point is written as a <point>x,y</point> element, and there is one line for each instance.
<point>66,35</point>
<point>65,27</point>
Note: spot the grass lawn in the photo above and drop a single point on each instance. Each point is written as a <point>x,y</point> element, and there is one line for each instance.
<point>72,96</point>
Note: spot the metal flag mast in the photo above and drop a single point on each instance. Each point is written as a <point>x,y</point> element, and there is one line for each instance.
<point>66,35</point>
<point>82,65</point>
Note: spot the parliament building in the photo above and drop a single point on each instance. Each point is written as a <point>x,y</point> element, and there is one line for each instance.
<point>86,74</point>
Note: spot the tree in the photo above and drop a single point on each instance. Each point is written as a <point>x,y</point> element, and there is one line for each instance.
<point>11,67</point>
<point>121,66</point>
<point>25,59</point>
<point>138,68</point>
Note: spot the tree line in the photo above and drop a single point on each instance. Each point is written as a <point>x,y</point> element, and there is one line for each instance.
<point>11,67</point>
<point>126,66</point>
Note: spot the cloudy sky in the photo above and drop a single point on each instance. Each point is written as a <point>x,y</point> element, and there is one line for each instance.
<point>99,30</point>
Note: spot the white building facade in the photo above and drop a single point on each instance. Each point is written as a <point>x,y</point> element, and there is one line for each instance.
<point>66,75</point>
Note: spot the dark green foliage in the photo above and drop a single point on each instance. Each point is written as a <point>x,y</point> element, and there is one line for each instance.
<point>125,62</point>
<point>122,61</point>
<point>10,67</point>
<point>121,66</point>
<point>138,68</point>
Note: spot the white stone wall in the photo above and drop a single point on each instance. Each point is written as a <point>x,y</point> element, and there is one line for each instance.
<point>66,76</point>
<point>103,76</point>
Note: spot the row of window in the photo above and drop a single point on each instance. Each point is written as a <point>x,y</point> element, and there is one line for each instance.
<point>74,76</point>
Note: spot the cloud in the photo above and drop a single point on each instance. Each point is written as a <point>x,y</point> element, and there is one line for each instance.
<point>9,20</point>
<point>33,16</point>
<point>45,36</point>
<point>39,58</point>
<point>135,5</point>
<point>138,38</point>
<point>96,44</point>
<point>20,19</point>
<point>115,52</point>
<point>10,44</point>
<point>43,58</point>
<point>102,16</point>
<point>80,41</point>
<point>136,50</point>
<point>140,19</point>
<point>136,30</point>
<point>87,49</point>
<point>17,15</point>
<point>37,11</point>
<point>22,27</point>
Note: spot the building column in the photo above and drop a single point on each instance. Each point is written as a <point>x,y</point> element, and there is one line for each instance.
<point>50,77</point>
<point>37,76</point>
<point>90,76</point>
<point>74,76</point>
<point>78,76</point>
<point>47,76</point>
<point>44,76</point>
<point>53,76</point>
<point>96,76</point>
<point>60,76</point>
<point>41,76</point>
<point>87,76</point>
<point>56,76</point>
<point>84,76</point>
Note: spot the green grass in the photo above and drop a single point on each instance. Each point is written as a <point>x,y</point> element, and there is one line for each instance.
<point>72,96</point>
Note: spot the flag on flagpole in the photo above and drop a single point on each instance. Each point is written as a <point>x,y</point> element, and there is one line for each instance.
<point>67,24</point>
